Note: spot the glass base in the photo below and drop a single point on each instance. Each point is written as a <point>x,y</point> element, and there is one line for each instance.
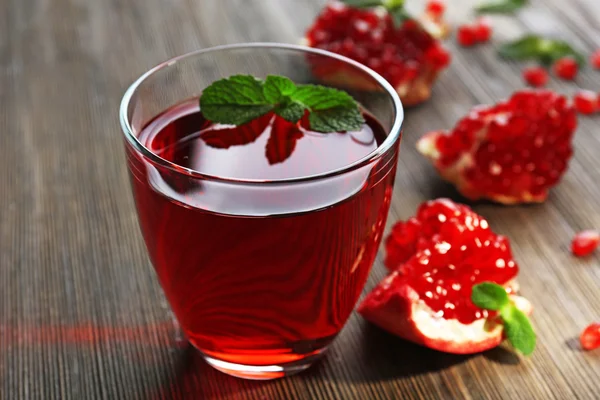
<point>262,372</point>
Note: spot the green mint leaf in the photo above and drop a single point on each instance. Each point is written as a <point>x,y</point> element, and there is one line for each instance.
<point>363,3</point>
<point>518,329</point>
<point>501,6</point>
<point>489,296</point>
<point>278,89</point>
<point>546,51</point>
<point>317,98</point>
<point>236,100</point>
<point>291,111</point>
<point>338,119</point>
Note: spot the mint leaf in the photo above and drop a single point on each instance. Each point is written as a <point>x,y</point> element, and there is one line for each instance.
<point>533,47</point>
<point>363,3</point>
<point>242,98</point>
<point>501,6</point>
<point>278,89</point>
<point>236,100</point>
<point>489,296</point>
<point>316,97</point>
<point>518,329</point>
<point>291,111</point>
<point>339,119</point>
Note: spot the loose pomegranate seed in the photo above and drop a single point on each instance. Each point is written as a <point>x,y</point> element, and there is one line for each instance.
<point>586,102</point>
<point>535,76</point>
<point>595,59</point>
<point>466,35</point>
<point>566,68</point>
<point>584,243</point>
<point>590,337</point>
<point>483,29</point>
<point>435,8</point>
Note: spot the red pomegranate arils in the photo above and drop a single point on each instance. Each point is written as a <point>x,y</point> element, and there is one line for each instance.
<point>466,35</point>
<point>435,8</point>
<point>586,102</point>
<point>595,59</point>
<point>585,242</point>
<point>535,76</point>
<point>566,68</point>
<point>483,29</point>
<point>590,337</point>
<point>512,152</point>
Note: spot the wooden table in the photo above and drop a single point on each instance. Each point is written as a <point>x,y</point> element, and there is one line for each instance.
<point>81,312</point>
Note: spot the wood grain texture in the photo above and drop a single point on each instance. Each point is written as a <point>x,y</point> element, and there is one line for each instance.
<point>81,312</point>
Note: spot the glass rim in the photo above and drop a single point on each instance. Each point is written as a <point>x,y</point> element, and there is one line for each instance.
<point>392,135</point>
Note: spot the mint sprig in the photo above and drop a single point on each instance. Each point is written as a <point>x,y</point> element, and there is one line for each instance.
<point>240,99</point>
<point>545,51</point>
<point>517,327</point>
<point>394,7</point>
<point>501,6</point>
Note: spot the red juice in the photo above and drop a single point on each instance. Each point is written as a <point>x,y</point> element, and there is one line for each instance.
<point>260,274</point>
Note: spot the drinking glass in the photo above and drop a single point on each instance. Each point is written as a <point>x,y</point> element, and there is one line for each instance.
<point>262,274</point>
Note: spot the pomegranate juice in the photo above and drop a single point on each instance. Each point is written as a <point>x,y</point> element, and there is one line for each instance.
<point>260,274</point>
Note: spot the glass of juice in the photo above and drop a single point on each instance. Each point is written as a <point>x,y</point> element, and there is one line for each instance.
<point>263,235</point>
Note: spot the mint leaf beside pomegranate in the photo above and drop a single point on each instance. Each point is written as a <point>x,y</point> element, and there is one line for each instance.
<point>501,6</point>
<point>242,98</point>
<point>517,327</point>
<point>546,51</point>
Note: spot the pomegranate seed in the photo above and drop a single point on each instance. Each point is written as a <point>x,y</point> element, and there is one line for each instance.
<point>585,242</point>
<point>595,59</point>
<point>483,29</point>
<point>535,76</point>
<point>466,35</point>
<point>590,337</point>
<point>586,101</point>
<point>438,57</point>
<point>566,68</point>
<point>435,8</point>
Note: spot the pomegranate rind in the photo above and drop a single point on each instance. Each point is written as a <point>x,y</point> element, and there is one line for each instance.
<point>398,309</point>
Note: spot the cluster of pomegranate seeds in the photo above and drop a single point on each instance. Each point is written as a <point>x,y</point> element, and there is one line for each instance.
<point>370,37</point>
<point>590,337</point>
<point>471,34</point>
<point>586,102</point>
<point>584,243</point>
<point>535,76</point>
<point>513,152</point>
<point>443,251</point>
<point>566,68</point>
<point>595,59</point>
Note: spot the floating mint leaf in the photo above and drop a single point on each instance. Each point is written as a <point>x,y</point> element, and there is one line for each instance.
<point>501,6</point>
<point>291,111</point>
<point>236,100</point>
<point>489,296</point>
<point>242,98</point>
<point>278,89</point>
<point>533,47</point>
<point>337,119</point>
<point>518,329</point>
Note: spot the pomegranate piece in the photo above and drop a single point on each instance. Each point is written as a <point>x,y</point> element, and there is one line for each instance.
<point>467,35</point>
<point>535,76</point>
<point>407,56</point>
<point>590,337</point>
<point>586,102</point>
<point>435,8</point>
<point>436,258</point>
<point>512,152</point>
<point>595,59</point>
<point>483,29</point>
<point>566,68</point>
<point>584,243</point>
